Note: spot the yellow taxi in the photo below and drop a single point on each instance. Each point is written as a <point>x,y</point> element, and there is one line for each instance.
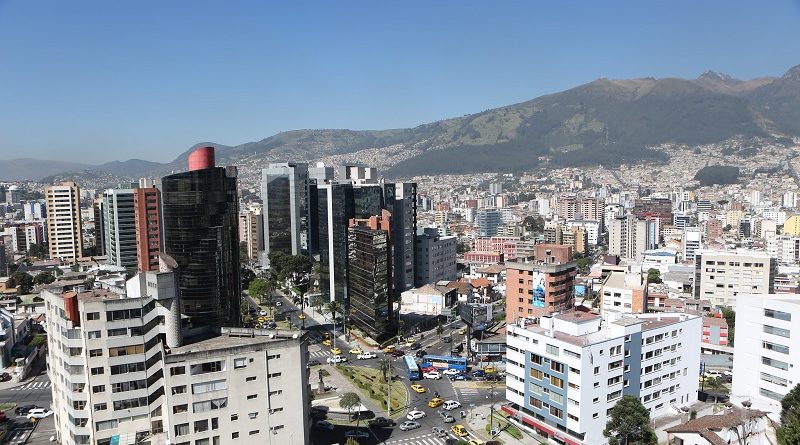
<point>356,351</point>
<point>462,331</point>
<point>302,316</point>
<point>435,402</point>
<point>475,442</point>
<point>418,388</point>
<point>336,351</point>
<point>459,430</point>
<point>410,342</point>
<point>489,369</point>
<point>327,342</point>
<point>389,349</point>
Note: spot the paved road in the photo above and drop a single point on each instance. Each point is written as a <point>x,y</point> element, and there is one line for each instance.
<point>37,392</point>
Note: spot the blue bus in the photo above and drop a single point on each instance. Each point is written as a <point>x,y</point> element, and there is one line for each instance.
<point>413,369</point>
<point>445,362</point>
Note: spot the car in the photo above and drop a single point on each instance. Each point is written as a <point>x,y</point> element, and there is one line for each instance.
<point>389,349</point>
<point>4,377</point>
<point>475,442</point>
<point>278,304</point>
<point>407,426</point>
<point>433,375</point>
<point>337,359</point>
<point>313,363</point>
<point>262,313</point>
<point>414,346</point>
<point>489,369</point>
<point>478,373</point>
<point>415,414</point>
<point>728,373</point>
<point>427,369</point>
<point>447,339</point>
<point>336,351</point>
<point>461,377</point>
<point>435,402</point>
<point>421,353</point>
<point>357,434</point>
<point>381,422</point>
<point>439,431</point>
<point>38,413</point>
<point>366,355</point>
<point>418,388</point>
<point>355,351</point>
<point>451,371</point>
<point>410,342</point>
<point>446,417</point>
<point>398,353</point>
<point>459,430</point>
<point>451,441</point>
<point>324,425</point>
<point>302,316</point>
<point>713,374</point>
<point>2,416</point>
<point>451,404</point>
<point>21,410</point>
<point>462,331</point>
<point>327,342</point>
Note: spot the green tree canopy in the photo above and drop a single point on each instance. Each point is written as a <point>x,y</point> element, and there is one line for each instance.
<point>44,278</point>
<point>789,431</point>
<point>730,317</point>
<point>653,276</point>
<point>629,424</point>
<point>23,279</point>
<point>350,401</point>
<point>258,288</point>
<point>790,401</point>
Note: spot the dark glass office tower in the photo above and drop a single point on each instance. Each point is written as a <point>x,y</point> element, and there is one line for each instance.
<point>334,209</point>
<point>201,232</point>
<point>369,277</point>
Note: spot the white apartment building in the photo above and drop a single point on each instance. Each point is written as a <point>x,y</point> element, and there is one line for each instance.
<point>627,237</point>
<point>785,249</point>
<point>692,240</point>
<point>591,227</point>
<point>566,372</point>
<point>123,374</point>
<point>623,292</point>
<point>721,275</point>
<point>766,355</point>
<point>64,229</point>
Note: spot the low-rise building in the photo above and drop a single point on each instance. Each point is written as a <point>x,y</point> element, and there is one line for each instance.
<point>537,288</point>
<point>624,292</point>
<point>565,373</point>
<point>735,425</point>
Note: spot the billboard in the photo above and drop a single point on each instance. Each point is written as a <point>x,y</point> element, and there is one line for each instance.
<point>475,315</point>
<point>538,287</point>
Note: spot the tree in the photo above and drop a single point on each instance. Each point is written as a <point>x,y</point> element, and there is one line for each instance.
<point>462,248</point>
<point>44,278</point>
<point>790,402</point>
<point>37,250</point>
<point>350,401</point>
<point>247,276</point>
<point>258,289</point>
<point>24,280</point>
<point>730,317</point>
<point>533,224</point>
<point>244,258</point>
<point>629,424</point>
<point>584,262</point>
<point>789,431</point>
<point>333,308</point>
<point>653,276</point>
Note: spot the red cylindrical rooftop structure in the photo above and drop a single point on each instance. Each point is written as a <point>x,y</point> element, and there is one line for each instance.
<point>201,159</point>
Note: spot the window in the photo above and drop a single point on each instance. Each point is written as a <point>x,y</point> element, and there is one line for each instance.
<point>253,433</point>
<point>596,384</point>
<point>614,380</point>
<point>214,423</point>
<point>572,354</point>
<point>252,415</point>
<point>93,334</point>
<point>105,425</point>
<point>595,415</point>
<point>557,382</point>
<point>771,313</point>
<point>207,367</point>
<point>775,347</point>
<point>536,389</point>
<point>250,379</point>
<point>95,353</point>
<point>182,429</point>
<point>776,331</point>
<point>536,403</point>
<point>234,417</point>
<point>273,375</point>
<point>596,370</point>
<point>179,390</point>
<point>771,394</point>
<point>557,367</point>
<point>214,385</point>
<point>98,388</point>
<point>574,370</point>
<point>537,359</point>
<point>177,370</point>
<point>614,395</point>
<point>98,371</point>
<point>239,363</point>
<point>202,441</point>
<point>100,407</point>
<point>235,435</point>
<point>775,363</point>
<point>93,315</point>
<point>252,396</point>
<point>552,350</point>
<point>200,426</point>
<point>177,409</point>
<point>615,350</point>
<point>117,332</point>
<point>615,365</point>
<point>774,379</point>
<point>555,412</point>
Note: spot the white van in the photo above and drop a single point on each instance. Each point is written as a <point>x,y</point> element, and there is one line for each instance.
<point>451,404</point>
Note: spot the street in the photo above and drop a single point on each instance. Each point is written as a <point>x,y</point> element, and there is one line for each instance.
<point>34,391</point>
<point>469,394</point>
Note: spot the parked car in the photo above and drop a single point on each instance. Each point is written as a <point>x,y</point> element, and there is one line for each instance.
<point>439,431</point>
<point>278,303</point>
<point>713,374</point>
<point>4,377</point>
<point>407,426</point>
<point>337,359</point>
<point>262,313</point>
<point>446,417</point>
<point>381,422</point>
<point>415,414</point>
<point>22,410</point>
<point>366,355</point>
<point>313,363</point>
<point>324,425</point>
<point>451,404</point>
<point>38,413</point>
<point>433,375</point>
<point>475,442</point>
<point>451,371</point>
<point>357,434</point>
<point>356,351</point>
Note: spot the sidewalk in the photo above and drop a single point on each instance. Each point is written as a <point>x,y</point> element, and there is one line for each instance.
<point>36,369</point>
<point>478,418</point>
<point>343,385</point>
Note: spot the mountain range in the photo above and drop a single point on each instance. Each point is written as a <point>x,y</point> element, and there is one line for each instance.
<point>604,122</point>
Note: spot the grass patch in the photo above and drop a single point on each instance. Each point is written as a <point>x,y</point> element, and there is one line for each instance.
<point>7,406</point>
<point>370,384</point>
<point>512,430</point>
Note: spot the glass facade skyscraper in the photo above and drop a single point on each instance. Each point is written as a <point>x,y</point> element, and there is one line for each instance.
<point>201,232</point>
<point>284,189</point>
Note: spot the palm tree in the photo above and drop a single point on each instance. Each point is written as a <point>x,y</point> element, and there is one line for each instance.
<point>348,401</point>
<point>334,308</point>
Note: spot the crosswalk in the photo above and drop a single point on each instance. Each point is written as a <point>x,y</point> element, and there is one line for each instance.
<point>319,354</point>
<point>470,395</point>
<point>18,436</point>
<point>424,439</point>
<point>32,386</point>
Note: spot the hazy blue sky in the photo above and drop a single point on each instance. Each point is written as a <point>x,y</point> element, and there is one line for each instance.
<point>105,80</point>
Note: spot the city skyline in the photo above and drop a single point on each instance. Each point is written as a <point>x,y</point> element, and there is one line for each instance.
<point>107,84</point>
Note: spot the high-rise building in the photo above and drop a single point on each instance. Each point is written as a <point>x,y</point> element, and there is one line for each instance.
<point>627,237</point>
<point>692,240</point>
<point>435,258</point>
<point>119,228</point>
<point>34,211</point>
<point>553,233</point>
<point>99,227</point>
<point>284,190</point>
<point>713,230</point>
<point>401,201</point>
<point>123,374</point>
<point>251,231</point>
<point>567,206</point>
<point>496,188</point>
<point>565,373</point>
<point>765,353</point>
<point>200,225</point>
<point>64,226</point>
<point>370,275</point>
<point>147,217</point>
<point>535,289</point>
<point>720,276</point>
<point>487,221</point>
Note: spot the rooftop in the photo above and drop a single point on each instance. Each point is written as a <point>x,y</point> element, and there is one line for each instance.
<point>95,294</point>
<point>733,418</point>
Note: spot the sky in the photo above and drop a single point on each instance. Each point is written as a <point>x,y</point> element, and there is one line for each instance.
<point>96,81</point>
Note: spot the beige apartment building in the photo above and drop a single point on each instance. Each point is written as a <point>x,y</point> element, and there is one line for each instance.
<point>64,230</point>
<point>720,276</point>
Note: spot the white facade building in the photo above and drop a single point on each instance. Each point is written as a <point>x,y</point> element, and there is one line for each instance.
<point>720,275</point>
<point>565,373</point>
<point>591,227</point>
<point>766,355</point>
